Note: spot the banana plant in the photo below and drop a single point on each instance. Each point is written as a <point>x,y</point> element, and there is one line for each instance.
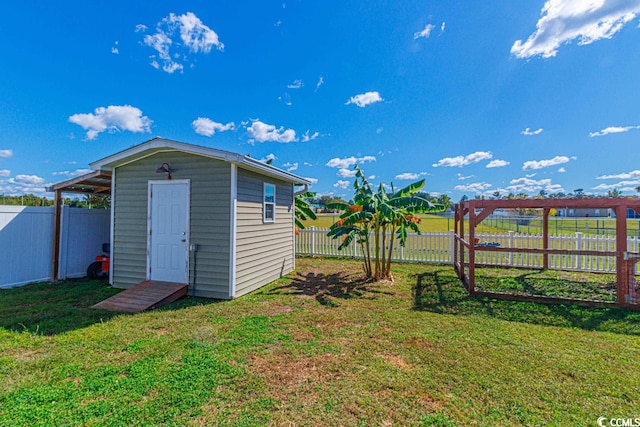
<point>381,216</point>
<point>303,210</point>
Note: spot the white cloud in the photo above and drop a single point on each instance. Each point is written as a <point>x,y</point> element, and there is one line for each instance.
<point>22,184</point>
<point>29,179</point>
<point>114,49</point>
<point>528,185</point>
<point>346,173</point>
<point>297,84</point>
<point>364,99</point>
<point>530,132</point>
<point>263,132</point>
<point>69,174</point>
<point>539,164</point>
<point>349,161</point>
<point>268,157</point>
<point>409,175</point>
<point>5,172</point>
<point>476,187</point>
<point>342,184</point>
<point>442,27</point>
<point>424,33</point>
<point>497,163</point>
<point>613,129</point>
<point>307,164</point>
<point>622,186</point>
<point>562,170</point>
<point>320,82</point>
<point>112,118</point>
<point>141,28</point>
<point>5,154</point>
<point>207,127</point>
<point>306,137</point>
<point>312,180</point>
<point>463,177</point>
<point>627,175</point>
<point>562,21</point>
<point>194,37</point>
<point>460,161</point>
<point>291,166</point>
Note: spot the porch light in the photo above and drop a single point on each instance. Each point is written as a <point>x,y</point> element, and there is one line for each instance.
<point>165,168</point>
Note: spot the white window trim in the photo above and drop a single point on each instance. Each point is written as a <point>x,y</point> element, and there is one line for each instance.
<point>265,203</point>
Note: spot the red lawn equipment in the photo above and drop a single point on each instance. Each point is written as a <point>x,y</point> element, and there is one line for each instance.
<point>100,267</point>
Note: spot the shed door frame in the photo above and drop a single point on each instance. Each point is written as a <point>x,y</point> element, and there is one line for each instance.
<point>152,183</point>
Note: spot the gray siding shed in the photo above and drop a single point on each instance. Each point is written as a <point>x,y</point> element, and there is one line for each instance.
<point>237,251</point>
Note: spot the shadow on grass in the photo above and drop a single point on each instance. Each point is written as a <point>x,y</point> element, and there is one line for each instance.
<point>51,309</point>
<point>440,291</point>
<point>326,287</point>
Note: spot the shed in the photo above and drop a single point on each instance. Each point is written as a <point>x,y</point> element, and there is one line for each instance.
<point>221,222</point>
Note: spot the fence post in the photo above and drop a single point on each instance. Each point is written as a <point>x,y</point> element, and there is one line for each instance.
<point>510,245</point>
<point>313,240</point>
<point>579,248</point>
<point>452,241</point>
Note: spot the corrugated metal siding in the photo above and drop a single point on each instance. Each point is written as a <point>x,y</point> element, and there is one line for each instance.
<point>209,222</point>
<point>264,251</point>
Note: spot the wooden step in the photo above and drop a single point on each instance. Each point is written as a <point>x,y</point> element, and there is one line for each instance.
<point>145,295</point>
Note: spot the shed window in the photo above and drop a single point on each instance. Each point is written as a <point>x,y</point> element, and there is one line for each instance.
<point>269,209</point>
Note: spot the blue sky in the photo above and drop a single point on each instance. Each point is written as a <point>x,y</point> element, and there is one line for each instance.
<point>474,97</point>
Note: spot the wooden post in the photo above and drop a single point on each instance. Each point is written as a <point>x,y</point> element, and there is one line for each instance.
<point>545,237</point>
<point>455,231</point>
<point>472,248</point>
<point>461,234</point>
<point>622,276</point>
<point>55,246</point>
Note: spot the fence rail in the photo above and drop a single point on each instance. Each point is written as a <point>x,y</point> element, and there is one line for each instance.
<point>437,247</point>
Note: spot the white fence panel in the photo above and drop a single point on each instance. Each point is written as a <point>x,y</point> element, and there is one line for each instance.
<point>437,247</point>
<point>82,233</point>
<point>26,240</point>
<point>26,235</point>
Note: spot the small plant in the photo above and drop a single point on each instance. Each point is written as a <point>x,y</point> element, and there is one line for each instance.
<point>381,216</point>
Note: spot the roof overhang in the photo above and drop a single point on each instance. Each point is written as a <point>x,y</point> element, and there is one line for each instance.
<point>161,145</point>
<point>95,182</point>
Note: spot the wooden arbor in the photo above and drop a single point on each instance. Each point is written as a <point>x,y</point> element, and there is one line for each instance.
<point>95,182</point>
<point>627,293</point>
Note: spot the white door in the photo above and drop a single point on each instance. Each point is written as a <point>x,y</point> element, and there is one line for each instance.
<point>168,257</point>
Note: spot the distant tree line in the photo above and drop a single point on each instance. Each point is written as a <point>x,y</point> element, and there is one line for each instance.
<point>86,201</point>
<point>323,201</point>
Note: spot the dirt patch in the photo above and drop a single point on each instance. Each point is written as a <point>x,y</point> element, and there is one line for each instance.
<point>420,343</point>
<point>397,361</point>
<point>299,335</point>
<point>276,309</point>
<point>287,376</point>
<point>429,402</point>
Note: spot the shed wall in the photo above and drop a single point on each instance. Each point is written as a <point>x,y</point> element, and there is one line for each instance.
<point>264,251</point>
<point>209,220</point>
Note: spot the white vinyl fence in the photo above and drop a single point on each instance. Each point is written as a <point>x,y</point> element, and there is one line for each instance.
<point>437,247</point>
<point>26,237</point>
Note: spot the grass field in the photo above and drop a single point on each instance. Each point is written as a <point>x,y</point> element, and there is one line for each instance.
<point>429,223</point>
<point>558,226</point>
<point>320,347</point>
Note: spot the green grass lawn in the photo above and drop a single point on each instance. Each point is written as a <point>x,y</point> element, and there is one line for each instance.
<point>320,347</point>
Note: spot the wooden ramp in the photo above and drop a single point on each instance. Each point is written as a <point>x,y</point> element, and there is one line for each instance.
<point>146,295</point>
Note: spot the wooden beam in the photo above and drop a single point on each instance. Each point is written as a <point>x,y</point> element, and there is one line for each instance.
<point>472,253</point>
<point>622,276</point>
<point>55,245</point>
<point>484,214</point>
